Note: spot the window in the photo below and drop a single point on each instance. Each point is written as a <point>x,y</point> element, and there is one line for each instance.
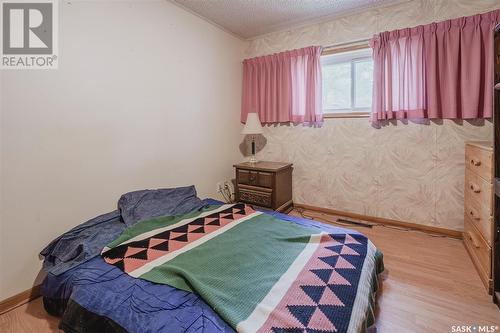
<point>347,83</point>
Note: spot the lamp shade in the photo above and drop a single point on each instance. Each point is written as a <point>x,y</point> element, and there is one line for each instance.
<point>252,126</point>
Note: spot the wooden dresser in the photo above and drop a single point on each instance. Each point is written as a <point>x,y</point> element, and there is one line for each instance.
<point>265,184</point>
<point>478,207</point>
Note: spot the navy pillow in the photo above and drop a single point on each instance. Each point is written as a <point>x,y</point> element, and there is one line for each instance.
<point>147,204</point>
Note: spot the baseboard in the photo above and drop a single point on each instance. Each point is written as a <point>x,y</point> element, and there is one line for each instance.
<point>17,300</point>
<point>381,220</point>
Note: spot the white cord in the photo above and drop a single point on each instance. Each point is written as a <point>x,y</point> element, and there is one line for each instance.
<point>226,192</point>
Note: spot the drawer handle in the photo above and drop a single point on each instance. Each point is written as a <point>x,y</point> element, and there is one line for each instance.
<point>474,162</point>
<point>473,240</point>
<point>252,178</point>
<point>474,188</point>
<point>473,214</point>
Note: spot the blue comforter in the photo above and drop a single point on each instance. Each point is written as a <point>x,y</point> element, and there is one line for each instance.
<point>138,305</point>
<point>86,240</point>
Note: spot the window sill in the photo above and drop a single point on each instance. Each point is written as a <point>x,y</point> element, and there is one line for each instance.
<point>347,115</point>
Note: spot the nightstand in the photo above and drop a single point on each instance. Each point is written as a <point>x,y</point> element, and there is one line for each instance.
<point>265,184</point>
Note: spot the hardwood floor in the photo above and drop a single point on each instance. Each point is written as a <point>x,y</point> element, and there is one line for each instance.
<point>28,318</point>
<point>429,285</point>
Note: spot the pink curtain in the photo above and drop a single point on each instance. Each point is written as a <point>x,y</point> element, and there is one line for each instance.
<point>440,70</point>
<point>284,87</point>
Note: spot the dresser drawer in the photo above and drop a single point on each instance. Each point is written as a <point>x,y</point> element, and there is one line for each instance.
<point>479,251</point>
<point>481,219</point>
<point>478,190</point>
<point>258,198</point>
<point>255,178</point>
<point>480,161</point>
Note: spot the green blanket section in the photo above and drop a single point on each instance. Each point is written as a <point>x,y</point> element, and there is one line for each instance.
<point>243,263</point>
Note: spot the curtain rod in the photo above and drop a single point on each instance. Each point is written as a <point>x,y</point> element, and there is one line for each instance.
<point>354,42</point>
<point>347,46</point>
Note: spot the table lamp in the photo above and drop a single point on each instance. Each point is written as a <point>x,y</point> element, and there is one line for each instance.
<point>252,127</point>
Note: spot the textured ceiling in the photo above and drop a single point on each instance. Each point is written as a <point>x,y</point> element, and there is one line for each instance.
<point>251,18</point>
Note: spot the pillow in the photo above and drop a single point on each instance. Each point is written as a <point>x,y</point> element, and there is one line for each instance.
<point>147,204</point>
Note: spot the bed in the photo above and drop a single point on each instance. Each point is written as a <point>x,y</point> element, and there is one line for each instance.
<point>91,295</point>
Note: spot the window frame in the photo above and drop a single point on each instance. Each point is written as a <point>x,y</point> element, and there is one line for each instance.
<point>352,56</point>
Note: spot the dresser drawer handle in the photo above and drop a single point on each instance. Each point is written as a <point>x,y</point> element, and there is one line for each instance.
<point>473,214</point>
<point>474,162</point>
<point>473,240</point>
<point>474,188</point>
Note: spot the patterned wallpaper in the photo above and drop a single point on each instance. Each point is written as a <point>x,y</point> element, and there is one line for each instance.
<point>405,171</point>
<point>409,172</point>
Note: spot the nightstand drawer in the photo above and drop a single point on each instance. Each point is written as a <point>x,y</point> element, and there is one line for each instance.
<point>255,178</point>
<point>258,198</point>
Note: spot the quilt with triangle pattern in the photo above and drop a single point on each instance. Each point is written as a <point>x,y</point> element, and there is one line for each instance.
<point>258,272</point>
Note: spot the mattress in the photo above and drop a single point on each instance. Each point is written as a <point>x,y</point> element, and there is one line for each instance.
<point>97,297</point>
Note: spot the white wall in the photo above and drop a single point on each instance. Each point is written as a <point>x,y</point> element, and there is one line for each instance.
<point>146,96</point>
